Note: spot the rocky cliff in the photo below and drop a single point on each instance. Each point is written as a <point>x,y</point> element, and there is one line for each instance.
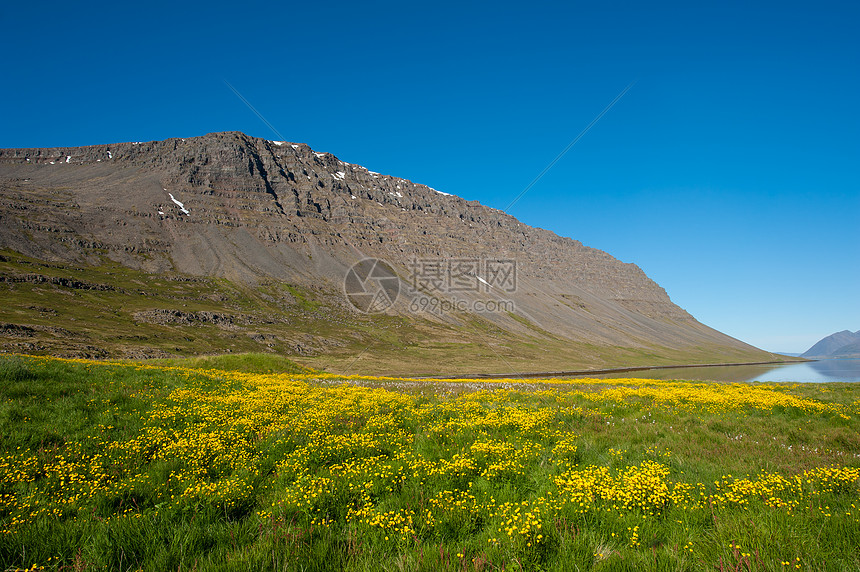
<point>252,211</point>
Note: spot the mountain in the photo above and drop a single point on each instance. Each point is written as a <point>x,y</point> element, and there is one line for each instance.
<point>227,242</point>
<point>848,351</point>
<point>841,344</point>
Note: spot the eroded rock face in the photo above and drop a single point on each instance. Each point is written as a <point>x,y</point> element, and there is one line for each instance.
<point>229,205</point>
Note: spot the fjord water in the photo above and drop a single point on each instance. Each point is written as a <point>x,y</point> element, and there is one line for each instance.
<point>822,371</point>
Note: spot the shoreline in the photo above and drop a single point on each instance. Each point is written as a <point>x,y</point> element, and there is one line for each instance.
<point>586,372</point>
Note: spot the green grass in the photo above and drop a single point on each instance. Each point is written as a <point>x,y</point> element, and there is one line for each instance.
<point>250,362</point>
<point>303,298</point>
<point>49,405</point>
<point>310,472</point>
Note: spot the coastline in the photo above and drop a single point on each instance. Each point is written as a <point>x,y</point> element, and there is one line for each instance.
<point>585,372</point>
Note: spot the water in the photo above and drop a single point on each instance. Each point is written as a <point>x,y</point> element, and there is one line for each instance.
<point>823,371</point>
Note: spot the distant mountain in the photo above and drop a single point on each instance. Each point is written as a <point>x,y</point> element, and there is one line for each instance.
<point>232,243</point>
<point>851,350</point>
<point>841,344</point>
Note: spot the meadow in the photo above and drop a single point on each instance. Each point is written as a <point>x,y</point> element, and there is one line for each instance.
<point>245,463</point>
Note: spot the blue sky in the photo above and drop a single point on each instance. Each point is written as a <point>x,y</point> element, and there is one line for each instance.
<point>729,172</point>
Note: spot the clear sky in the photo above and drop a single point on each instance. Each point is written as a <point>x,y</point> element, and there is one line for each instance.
<point>729,172</point>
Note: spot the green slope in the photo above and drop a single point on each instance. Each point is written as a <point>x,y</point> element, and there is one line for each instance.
<point>111,311</point>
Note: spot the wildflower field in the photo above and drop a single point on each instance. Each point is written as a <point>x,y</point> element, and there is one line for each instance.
<point>125,466</point>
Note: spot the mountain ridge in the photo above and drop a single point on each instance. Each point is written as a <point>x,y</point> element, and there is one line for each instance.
<point>839,344</point>
<point>250,210</point>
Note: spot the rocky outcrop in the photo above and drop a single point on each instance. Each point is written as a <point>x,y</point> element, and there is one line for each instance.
<point>177,317</point>
<point>56,280</point>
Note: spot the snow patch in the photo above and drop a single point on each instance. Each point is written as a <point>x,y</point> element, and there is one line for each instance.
<point>294,146</point>
<point>109,155</point>
<point>278,143</point>
<point>353,196</point>
<point>441,193</point>
<point>319,154</point>
<point>339,175</point>
<point>68,158</point>
<point>396,194</point>
<point>180,205</point>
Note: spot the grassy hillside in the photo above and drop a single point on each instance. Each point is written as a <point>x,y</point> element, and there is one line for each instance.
<point>126,466</point>
<point>111,311</point>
